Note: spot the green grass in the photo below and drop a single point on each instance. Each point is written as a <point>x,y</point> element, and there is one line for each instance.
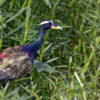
<point>68,65</point>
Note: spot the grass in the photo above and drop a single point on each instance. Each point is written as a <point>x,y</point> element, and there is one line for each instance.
<point>68,64</point>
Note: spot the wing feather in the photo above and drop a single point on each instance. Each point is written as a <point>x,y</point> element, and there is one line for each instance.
<point>2,56</point>
<point>4,76</point>
<point>14,63</point>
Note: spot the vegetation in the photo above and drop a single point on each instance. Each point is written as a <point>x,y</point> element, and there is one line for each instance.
<point>68,65</point>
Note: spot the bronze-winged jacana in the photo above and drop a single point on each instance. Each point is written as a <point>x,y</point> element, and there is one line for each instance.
<point>16,62</point>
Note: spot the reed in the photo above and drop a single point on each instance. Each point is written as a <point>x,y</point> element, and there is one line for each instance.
<point>68,65</point>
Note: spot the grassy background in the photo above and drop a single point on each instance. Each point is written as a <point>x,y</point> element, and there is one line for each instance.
<point>71,57</point>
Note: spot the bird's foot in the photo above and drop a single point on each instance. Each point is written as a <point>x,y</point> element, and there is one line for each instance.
<point>7,85</point>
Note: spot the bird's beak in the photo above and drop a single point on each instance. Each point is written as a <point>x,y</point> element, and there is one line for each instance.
<point>53,26</point>
<point>56,27</point>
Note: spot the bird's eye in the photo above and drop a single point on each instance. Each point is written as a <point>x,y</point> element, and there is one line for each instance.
<point>50,23</point>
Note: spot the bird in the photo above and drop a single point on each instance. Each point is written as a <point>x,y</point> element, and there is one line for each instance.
<point>16,62</point>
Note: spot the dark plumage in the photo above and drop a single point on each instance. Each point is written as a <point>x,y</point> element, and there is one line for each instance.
<point>15,62</point>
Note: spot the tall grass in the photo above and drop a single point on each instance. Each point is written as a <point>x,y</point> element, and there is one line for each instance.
<point>68,64</point>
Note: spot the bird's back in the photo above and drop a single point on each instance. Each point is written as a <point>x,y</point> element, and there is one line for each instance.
<point>14,63</point>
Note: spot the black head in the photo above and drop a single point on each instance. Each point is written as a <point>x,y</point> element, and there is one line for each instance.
<point>49,25</point>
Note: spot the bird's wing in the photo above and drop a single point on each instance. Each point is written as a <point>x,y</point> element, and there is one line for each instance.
<point>2,56</point>
<point>14,63</point>
<point>4,76</point>
<point>8,53</point>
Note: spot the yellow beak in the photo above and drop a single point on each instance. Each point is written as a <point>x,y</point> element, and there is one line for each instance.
<point>56,27</point>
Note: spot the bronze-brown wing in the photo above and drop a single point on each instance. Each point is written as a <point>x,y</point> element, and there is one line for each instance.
<point>15,64</point>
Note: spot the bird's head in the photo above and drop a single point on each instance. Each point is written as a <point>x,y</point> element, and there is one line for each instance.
<point>49,25</point>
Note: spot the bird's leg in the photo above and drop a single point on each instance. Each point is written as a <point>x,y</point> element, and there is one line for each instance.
<point>7,85</point>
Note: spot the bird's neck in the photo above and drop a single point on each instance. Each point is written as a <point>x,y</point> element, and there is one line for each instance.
<point>34,46</point>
